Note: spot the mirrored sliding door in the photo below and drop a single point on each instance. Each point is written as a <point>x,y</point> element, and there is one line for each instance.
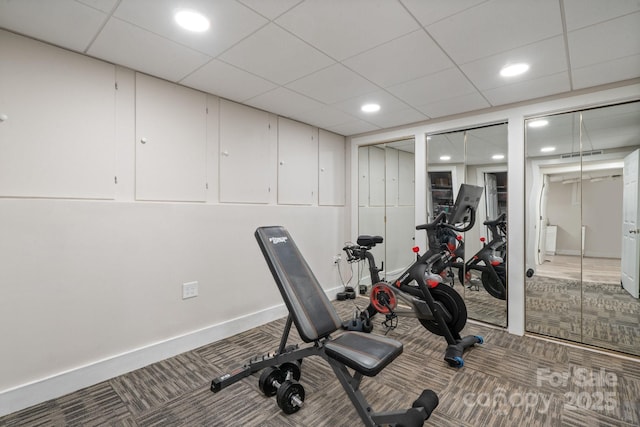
<point>478,157</point>
<point>386,203</point>
<point>581,217</point>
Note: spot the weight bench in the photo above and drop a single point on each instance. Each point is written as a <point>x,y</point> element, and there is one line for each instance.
<point>316,319</point>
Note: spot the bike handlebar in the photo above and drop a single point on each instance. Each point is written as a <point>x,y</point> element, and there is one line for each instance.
<point>501,219</point>
<point>439,221</point>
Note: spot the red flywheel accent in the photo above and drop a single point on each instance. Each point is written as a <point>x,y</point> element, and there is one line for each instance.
<point>382,297</point>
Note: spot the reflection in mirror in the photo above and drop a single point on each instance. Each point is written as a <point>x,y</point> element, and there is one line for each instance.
<point>445,171</point>
<point>371,208</point>
<point>386,193</point>
<point>478,270</point>
<point>582,201</point>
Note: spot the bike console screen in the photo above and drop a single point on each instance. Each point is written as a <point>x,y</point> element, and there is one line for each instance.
<point>466,202</point>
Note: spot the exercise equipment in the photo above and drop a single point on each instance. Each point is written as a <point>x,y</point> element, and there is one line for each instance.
<point>316,320</point>
<point>418,291</point>
<point>279,382</point>
<point>488,264</point>
<point>348,293</point>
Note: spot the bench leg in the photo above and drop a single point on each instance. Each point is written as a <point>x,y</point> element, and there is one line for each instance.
<point>415,416</point>
<point>258,363</point>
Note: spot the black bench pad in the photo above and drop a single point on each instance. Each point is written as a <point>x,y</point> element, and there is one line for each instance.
<point>365,353</point>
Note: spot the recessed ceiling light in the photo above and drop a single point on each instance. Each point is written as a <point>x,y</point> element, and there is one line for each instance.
<point>445,158</point>
<point>514,69</point>
<point>370,108</point>
<point>538,123</point>
<point>497,156</point>
<point>547,149</point>
<point>192,21</point>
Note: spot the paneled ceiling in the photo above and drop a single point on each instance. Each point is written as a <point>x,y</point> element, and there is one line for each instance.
<point>318,61</point>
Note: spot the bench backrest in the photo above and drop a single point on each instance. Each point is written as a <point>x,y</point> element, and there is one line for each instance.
<point>312,312</point>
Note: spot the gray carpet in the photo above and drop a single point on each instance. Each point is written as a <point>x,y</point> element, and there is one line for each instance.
<point>480,304</point>
<point>483,307</point>
<point>490,390</point>
<point>600,314</point>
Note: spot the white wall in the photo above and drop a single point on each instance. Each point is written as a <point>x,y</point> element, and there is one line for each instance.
<point>600,212</point>
<point>602,217</point>
<point>93,288</point>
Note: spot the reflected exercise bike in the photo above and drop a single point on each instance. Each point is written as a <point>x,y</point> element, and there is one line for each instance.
<point>488,264</point>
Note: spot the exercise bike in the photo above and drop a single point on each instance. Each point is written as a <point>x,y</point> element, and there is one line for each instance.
<point>488,264</point>
<point>420,288</point>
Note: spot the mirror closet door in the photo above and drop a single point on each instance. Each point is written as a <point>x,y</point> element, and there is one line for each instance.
<point>478,157</point>
<point>386,204</point>
<point>582,203</point>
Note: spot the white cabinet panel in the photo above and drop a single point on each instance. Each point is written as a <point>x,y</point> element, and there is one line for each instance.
<point>551,239</point>
<point>406,178</point>
<point>391,176</point>
<point>59,136</point>
<point>297,163</point>
<point>245,154</point>
<point>331,152</point>
<point>363,176</point>
<point>376,176</point>
<point>170,141</point>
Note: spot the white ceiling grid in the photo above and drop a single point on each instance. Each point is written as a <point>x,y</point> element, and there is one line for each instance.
<point>317,61</point>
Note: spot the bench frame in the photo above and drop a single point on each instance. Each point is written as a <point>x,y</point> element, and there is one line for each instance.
<point>362,354</point>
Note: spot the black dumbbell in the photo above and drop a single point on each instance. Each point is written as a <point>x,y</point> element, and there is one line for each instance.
<point>293,368</point>
<point>349,293</point>
<point>290,394</point>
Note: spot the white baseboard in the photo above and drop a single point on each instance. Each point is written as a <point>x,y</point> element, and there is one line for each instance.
<point>594,254</point>
<point>570,252</point>
<point>80,377</point>
<point>29,394</point>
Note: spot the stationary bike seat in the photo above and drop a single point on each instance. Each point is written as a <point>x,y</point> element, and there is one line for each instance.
<point>368,241</point>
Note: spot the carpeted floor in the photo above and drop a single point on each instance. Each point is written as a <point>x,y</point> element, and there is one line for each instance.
<point>600,314</point>
<point>508,381</point>
<point>483,307</point>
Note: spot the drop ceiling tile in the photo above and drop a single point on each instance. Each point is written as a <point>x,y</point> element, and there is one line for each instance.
<point>528,89</point>
<point>434,87</point>
<point>103,5</point>
<point>347,28</point>
<point>397,118</point>
<point>125,44</point>
<point>606,72</point>
<point>388,103</point>
<point>65,23</point>
<point>332,84</point>
<point>227,81</point>
<point>406,58</point>
<point>496,26</point>
<point>230,22</point>
<point>323,117</point>
<point>353,128</point>
<point>283,101</point>
<point>545,57</point>
<point>610,40</point>
<point>428,12</point>
<point>270,9</point>
<point>581,13</point>
<point>454,105</point>
<point>276,55</point>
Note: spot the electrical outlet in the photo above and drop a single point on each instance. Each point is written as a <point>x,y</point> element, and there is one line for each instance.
<point>189,290</point>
